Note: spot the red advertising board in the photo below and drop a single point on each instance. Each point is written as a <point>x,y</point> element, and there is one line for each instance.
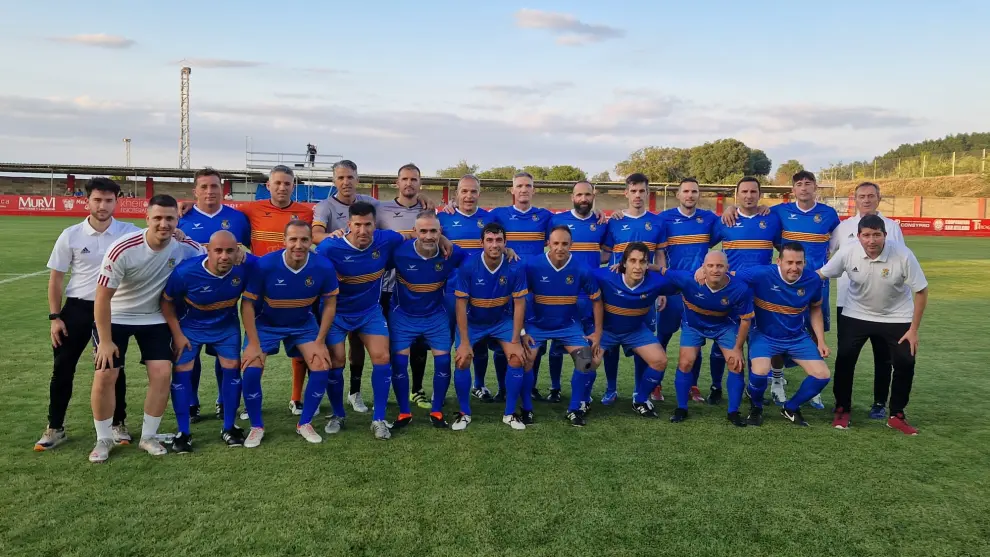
<point>132,207</point>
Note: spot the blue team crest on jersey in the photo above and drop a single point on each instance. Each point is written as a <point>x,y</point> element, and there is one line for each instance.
<point>235,281</point>
<point>481,223</point>
<point>648,226</point>
<point>800,291</point>
<point>592,227</point>
<point>536,217</point>
<point>502,281</point>
<point>763,224</point>
<point>438,266</point>
<point>309,281</point>
<point>817,219</point>
<point>642,296</point>
<point>376,255</point>
<point>225,224</point>
<point>725,301</point>
<point>171,262</point>
<point>699,220</point>
<point>569,279</point>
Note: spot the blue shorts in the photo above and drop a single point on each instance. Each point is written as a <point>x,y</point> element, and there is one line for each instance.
<point>764,346</point>
<point>225,342</point>
<point>405,329</point>
<point>826,312</point>
<point>496,331</point>
<point>629,341</point>
<point>370,323</point>
<point>290,337</point>
<point>725,337</point>
<point>669,320</point>
<point>572,335</point>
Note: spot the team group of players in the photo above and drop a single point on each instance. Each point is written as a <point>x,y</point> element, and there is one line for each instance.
<point>401,279</point>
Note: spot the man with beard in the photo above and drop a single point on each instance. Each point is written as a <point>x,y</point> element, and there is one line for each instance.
<point>127,304</point>
<point>79,251</point>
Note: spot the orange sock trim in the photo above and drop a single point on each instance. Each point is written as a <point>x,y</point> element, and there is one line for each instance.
<point>298,378</point>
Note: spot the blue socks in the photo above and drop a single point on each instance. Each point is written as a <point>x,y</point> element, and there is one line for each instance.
<point>757,388</point>
<point>526,391</point>
<point>462,386</point>
<point>252,395</point>
<point>480,363</point>
<point>316,387</point>
<point>556,370</point>
<point>181,388</point>
<point>335,391</point>
<point>590,378</point>
<point>696,370</point>
<point>639,368</point>
<point>536,363</point>
<point>231,393</point>
<point>400,381</point>
<point>810,387</point>
<point>579,386</point>
<point>381,379</point>
<point>194,377</point>
<point>513,386</point>
<point>651,378</point>
<point>218,372</point>
<point>717,363</point>
<point>441,381</point>
<point>682,384</point>
<point>734,383</point>
<point>612,369</point>
<point>501,367</point>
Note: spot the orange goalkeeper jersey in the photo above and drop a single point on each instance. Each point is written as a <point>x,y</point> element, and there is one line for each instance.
<point>268,223</point>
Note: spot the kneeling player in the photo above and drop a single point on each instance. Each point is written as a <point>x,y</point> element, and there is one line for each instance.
<point>782,295</point>
<point>628,296</point>
<point>206,289</point>
<point>495,290</point>
<point>277,309</point>
<point>556,281</point>
<point>710,312</point>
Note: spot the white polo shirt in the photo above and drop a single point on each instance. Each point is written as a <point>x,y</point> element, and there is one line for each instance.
<point>847,234</point>
<point>882,289</point>
<point>79,250</point>
<point>139,273</point>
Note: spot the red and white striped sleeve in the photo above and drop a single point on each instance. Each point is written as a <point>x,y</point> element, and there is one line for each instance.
<point>114,265</point>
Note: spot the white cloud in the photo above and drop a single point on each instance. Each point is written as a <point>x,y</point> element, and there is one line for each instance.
<point>217,63</point>
<point>570,30</point>
<point>100,40</point>
<point>539,90</point>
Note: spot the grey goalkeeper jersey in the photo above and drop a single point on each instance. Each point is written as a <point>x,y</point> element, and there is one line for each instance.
<point>331,213</point>
<point>393,216</point>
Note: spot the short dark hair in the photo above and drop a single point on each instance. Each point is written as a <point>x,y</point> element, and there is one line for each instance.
<point>346,163</point>
<point>792,246</point>
<point>409,166</point>
<point>362,208</point>
<point>873,222</point>
<point>637,178</point>
<point>522,174</point>
<point>868,185</point>
<point>493,228</point>
<point>207,172</point>
<point>803,175</point>
<point>633,246</point>
<point>297,222</point>
<point>102,184</point>
<point>688,180</point>
<point>748,179</point>
<point>562,227</point>
<point>163,200</point>
<point>427,214</point>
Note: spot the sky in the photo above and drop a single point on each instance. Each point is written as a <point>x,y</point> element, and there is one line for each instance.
<point>493,83</point>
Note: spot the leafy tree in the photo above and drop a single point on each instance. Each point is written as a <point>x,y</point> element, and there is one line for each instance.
<point>564,173</point>
<point>786,170</point>
<point>498,173</point>
<point>713,162</point>
<point>458,170</point>
<point>660,164</point>
<point>759,164</point>
<point>602,176</point>
<point>538,172</point>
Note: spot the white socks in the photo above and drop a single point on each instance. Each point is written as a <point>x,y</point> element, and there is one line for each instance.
<point>103,428</point>
<point>149,428</point>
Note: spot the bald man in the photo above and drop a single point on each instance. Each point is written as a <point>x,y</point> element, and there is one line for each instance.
<point>204,291</point>
<point>719,308</point>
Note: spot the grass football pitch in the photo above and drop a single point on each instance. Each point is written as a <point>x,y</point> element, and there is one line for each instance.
<point>621,486</point>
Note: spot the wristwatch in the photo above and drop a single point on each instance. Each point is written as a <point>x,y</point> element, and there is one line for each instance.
<point>54,316</point>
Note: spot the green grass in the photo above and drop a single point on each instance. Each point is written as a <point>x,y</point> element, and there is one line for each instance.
<point>619,486</point>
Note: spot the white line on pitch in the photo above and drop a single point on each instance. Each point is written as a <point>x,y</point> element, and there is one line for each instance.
<point>19,277</point>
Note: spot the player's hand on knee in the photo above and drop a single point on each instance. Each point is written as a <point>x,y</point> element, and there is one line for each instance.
<point>464,356</point>
<point>251,356</point>
<point>320,358</point>
<point>179,345</point>
<point>105,353</point>
<point>595,341</point>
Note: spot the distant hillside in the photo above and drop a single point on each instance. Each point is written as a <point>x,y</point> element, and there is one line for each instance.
<point>959,142</point>
<point>969,185</point>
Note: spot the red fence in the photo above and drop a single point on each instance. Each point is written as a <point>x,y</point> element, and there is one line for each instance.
<point>132,207</point>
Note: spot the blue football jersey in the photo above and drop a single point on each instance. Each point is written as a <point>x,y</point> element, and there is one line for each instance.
<point>199,226</point>
<point>204,300</point>
<point>465,230</point>
<point>284,297</point>
<point>626,306</point>
<point>525,231</point>
<point>812,229</point>
<point>490,294</point>
<point>555,291</point>
<point>420,281</point>
<point>587,236</point>
<point>781,306</point>
<point>709,310</point>
<point>360,271</point>
<point>750,241</point>
<point>688,237</point>
<point>646,228</point>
